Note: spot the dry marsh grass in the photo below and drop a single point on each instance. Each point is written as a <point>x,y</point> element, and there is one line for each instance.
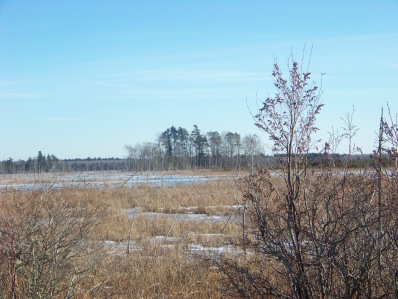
<point>160,262</point>
<point>159,273</point>
<point>205,196</point>
<point>155,242</point>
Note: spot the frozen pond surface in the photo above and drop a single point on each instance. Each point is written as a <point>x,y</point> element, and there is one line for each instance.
<point>113,179</point>
<point>97,180</point>
<point>132,213</point>
<point>120,248</point>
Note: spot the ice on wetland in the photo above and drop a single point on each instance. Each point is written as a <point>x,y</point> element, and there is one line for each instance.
<point>96,180</point>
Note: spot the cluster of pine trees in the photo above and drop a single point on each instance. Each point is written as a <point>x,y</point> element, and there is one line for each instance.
<point>175,148</point>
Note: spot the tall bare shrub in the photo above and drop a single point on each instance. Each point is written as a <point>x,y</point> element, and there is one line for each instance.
<point>312,233</point>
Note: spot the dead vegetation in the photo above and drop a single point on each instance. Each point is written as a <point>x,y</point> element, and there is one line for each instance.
<point>114,242</point>
<point>188,241</point>
<point>330,233</point>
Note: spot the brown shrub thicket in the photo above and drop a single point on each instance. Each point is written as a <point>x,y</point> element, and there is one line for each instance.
<point>315,233</point>
<point>44,244</point>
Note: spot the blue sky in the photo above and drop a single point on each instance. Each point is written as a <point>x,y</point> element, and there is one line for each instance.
<point>84,78</point>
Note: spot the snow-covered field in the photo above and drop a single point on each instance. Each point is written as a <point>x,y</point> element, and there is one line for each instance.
<point>96,180</point>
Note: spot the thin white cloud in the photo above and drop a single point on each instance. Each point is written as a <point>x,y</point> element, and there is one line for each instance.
<point>185,94</point>
<point>16,95</point>
<point>7,83</point>
<point>191,76</point>
<point>363,92</point>
<point>206,75</point>
<point>60,119</point>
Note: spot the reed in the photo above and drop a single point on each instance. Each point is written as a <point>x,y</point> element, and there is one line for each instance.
<point>160,224</point>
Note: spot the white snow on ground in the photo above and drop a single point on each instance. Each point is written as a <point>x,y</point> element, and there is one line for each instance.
<point>120,248</point>
<point>132,213</point>
<point>165,239</point>
<point>95,180</point>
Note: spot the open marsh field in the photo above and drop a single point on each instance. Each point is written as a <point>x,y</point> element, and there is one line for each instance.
<point>194,234</point>
<point>104,179</point>
<point>147,232</point>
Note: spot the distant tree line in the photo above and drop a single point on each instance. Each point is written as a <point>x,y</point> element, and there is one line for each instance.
<point>177,148</point>
<point>40,163</point>
<point>50,163</point>
<point>174,149</point>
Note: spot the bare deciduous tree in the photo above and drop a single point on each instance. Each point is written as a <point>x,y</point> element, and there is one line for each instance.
<point>311,233</point>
